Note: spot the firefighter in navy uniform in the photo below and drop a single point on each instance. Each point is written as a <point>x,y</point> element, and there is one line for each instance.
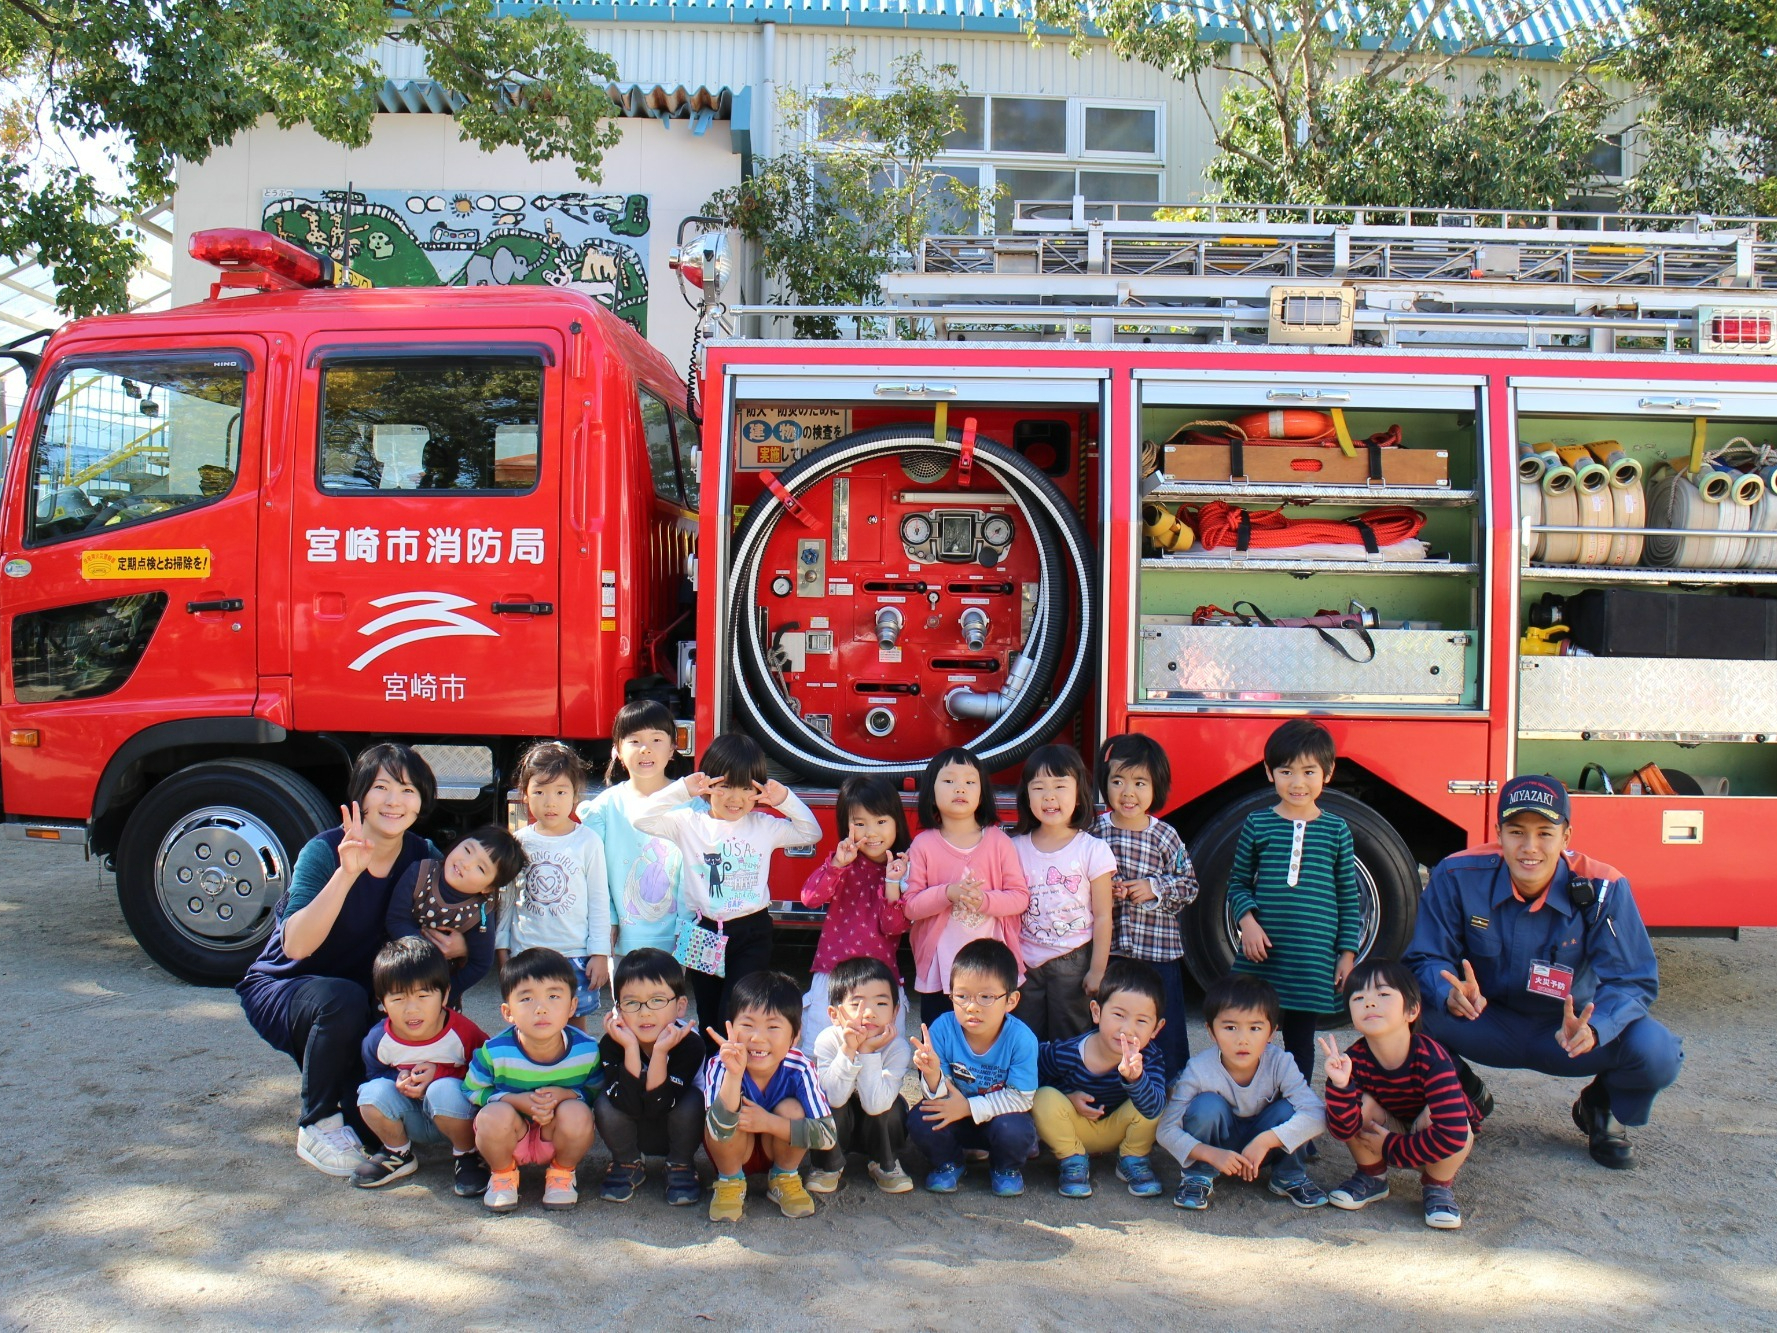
<point>1532,956</point>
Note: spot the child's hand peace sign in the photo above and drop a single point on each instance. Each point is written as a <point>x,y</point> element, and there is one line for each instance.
<point>897,867</point>
<point>1338,1064</point>
<point>699,785</point>
<point>771,792</point>
<point>1129,1067</point>
<point>845,853</point>
<point>730,1050</point>
<point>925,1059</point>
<point>354,847</point>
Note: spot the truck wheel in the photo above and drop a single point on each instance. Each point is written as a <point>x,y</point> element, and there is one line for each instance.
<point>205,858</point>
<point>1387,880</point>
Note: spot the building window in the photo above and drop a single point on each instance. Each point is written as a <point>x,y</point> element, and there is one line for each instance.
<point>1606,157</point>
<point>1014,143</point>
<point>1029,125</point>
<point>972,137</point>
<point>1120,129</point>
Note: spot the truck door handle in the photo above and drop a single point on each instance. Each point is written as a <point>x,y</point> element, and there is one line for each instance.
<point>522,608</point>
<point>224,604</point>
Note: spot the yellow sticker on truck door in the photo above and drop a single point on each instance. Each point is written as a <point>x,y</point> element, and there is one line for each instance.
<point>189,563</point>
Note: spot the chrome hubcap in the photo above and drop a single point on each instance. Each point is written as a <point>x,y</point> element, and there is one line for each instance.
<point>219,873</point>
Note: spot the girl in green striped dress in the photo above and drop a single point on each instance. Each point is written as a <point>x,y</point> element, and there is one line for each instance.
<point>1293,888</point>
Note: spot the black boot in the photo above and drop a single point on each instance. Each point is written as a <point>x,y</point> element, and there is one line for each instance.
<point>1476,1090</point>
<point>1607,1140</point>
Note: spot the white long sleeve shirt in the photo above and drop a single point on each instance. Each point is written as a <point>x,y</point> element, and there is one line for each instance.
<point>727,871</point>
<point>562,900</point>
<point>874,1076</point>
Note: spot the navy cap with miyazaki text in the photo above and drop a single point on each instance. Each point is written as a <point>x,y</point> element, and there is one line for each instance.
<point>1543,795</point>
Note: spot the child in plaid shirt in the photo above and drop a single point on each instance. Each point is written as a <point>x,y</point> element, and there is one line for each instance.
<point>1155,880</point>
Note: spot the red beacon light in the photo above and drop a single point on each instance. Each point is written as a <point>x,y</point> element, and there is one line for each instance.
<point>259,261</point>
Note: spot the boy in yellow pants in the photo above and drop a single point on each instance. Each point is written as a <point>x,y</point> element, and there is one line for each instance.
<point>1104,1090</point>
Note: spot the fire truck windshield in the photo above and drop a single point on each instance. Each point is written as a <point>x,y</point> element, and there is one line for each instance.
<point>123,440</point>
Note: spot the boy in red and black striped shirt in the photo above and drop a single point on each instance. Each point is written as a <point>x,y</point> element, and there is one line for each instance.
<point>1394,1097</point>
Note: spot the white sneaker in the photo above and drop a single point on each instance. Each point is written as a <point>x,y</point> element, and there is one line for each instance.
<point>328,1146</point>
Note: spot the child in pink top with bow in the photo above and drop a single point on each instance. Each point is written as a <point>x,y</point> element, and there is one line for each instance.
<point>963,878</point>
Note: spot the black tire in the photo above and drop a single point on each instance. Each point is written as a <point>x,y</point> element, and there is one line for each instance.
<point>1388,878</point>
<point>223,825</point>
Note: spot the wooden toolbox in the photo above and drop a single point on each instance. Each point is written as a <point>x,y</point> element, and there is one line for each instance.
<point>1307,465</point>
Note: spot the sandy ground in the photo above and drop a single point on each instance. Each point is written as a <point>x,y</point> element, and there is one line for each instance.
<point>150,1180</point>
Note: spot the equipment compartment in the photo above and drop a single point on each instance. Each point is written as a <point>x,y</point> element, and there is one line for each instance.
<point>1289,665</point>
<point>1646,698</point>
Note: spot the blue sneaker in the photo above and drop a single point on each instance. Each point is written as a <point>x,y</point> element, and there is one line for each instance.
<point>1361,1189</point>
<point>1440,1208</point>
<point>1193,1193</point>
<point>681,1185</point>
<point>944,1179</point>
<point>1009,1183</point>
<point>1302,1192</point>
<point>621,1181</point>
<point>1138,1174</point>
<point>1076,1177</point>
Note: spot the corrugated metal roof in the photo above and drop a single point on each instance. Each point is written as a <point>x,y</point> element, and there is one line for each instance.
<point>641,100</point>
<point>1542,34</point>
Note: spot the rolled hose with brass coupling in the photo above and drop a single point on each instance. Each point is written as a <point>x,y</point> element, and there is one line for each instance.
<point>1048,678</point>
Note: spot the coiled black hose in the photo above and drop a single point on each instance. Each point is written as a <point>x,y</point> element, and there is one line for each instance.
<point>1065,561</point>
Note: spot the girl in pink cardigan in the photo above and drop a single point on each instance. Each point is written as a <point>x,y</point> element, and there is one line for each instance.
<point>963,878</point>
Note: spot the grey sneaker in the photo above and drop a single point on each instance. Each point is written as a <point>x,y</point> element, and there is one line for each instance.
<point>891,1179</point>
<point>384,1166</point>
<point>1361,1189</point>
<point>824,1182</point>
<point>1441,1210</point>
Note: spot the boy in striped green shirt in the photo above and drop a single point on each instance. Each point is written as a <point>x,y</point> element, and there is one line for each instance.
<point>1293,888</point>
<point>534,1083</point>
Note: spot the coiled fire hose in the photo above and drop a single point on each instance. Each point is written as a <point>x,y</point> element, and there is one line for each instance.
<point>1221,524</point>
<point>1049,676</point>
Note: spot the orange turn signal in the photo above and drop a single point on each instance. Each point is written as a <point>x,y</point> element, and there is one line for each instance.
<point>26,736</point>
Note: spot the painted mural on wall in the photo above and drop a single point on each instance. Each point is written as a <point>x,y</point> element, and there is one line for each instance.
<point>596,243</point>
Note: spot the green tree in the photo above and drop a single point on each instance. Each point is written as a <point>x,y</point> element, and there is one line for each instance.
<point>1324,102</point>
<point>1707,138</point>
<point>828,217</point>
<point>157,81</point>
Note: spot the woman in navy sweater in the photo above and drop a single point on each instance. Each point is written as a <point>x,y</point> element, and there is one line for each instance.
<point>308,994</point>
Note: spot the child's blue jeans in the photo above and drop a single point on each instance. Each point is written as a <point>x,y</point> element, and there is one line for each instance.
<point>1009,1139</point>
<point>1210,1119</point>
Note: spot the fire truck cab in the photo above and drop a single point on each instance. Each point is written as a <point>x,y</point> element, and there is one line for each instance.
<point>242,538</point>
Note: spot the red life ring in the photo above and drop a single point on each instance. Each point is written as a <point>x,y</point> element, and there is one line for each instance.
<point>1287,423</point>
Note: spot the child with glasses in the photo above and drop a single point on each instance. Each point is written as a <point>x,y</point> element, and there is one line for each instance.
<point>978,1071</point>
<point>651,1055</point>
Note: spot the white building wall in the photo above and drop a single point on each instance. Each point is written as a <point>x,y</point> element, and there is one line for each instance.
<point>674,168</point>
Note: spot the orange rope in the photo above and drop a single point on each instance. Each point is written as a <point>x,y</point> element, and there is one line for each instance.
<point>1218,525</point>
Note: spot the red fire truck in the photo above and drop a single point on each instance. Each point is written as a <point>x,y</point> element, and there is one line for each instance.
<point>1101,474</point>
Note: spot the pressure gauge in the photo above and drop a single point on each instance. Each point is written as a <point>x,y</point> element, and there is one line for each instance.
<point>916,530</point>
<point>996,530</point>
<point>781,586</point>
